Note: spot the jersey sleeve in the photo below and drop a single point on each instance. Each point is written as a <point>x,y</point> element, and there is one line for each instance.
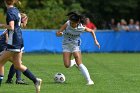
<point>68,22</point>
<point>10,17</point>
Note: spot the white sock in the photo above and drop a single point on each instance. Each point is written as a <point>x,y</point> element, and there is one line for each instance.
<point>72,62</point>
<point>85,72</point>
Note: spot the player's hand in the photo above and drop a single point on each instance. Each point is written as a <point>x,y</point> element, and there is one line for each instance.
<point>97,43</point>
<point>24,17</point>
<point>59,33</point>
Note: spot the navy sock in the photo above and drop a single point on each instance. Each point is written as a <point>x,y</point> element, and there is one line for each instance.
<point>1,78</point>
<point>29,74</point>
<point>18,75</point>
<point>11,72</point>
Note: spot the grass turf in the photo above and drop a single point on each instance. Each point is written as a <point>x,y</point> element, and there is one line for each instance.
<point>111,72</point>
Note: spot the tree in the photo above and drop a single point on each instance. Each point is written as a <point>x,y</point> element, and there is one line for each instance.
<point>51,13</point>
<point>49,17</point>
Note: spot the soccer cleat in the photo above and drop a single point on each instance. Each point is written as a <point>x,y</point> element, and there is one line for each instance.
<point>38,85</point>
<point>9,81</point>
<point>75,64</point>
<point>90,82</point>
<point>21,82</point>
<point>72,62</point>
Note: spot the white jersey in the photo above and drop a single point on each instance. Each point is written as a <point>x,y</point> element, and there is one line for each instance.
<point>72,35</point>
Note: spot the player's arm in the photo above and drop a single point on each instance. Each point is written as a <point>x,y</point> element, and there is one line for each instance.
<point>94,36</point>
<point>24,19</point>
<point>9,27</point>
<point>60,31</point>
<point>23,24</point>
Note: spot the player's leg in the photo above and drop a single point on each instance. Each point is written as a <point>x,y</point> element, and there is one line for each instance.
<point>18,65</point>
<point>66,59</point>
<point>3,58</point>
<point>18,75</point>
<point>2,74</point>
<point>67,56</point>
<point>12,71</point>
<point>83,69</point>
<point>11,74</point>
<point>19,80</point>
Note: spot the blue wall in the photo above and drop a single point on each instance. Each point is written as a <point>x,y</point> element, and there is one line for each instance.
<point>46,41</point>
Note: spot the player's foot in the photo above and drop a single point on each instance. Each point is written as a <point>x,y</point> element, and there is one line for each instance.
<point>9,81</point>
<point>74,63</point>
<point>21,82</point>
<point>38,85</point>
<point>90,82</point>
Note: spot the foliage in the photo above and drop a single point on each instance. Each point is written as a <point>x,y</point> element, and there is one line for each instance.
<point>51,13</point>
<point>103,10</point>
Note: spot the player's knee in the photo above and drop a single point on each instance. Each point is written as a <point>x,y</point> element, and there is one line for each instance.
<point>18,67</point>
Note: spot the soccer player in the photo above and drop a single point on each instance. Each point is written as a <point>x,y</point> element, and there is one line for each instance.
<point>71,31</point>
<point>12,70</point>
<point>15,44</point>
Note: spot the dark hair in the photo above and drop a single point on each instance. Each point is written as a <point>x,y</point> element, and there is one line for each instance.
<point>71,13</point>
<point>74,17</point>
<point>77,17</point>
<point>83,19</point>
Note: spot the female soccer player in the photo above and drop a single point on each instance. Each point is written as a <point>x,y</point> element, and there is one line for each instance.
<point>12,70</point>
<point>71,31</point>
<point>15,44</point>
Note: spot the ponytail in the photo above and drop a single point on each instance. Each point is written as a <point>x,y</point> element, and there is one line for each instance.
<point>82,19</point>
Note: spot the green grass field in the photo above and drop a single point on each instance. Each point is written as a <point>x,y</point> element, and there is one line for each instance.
<point>111,72</point>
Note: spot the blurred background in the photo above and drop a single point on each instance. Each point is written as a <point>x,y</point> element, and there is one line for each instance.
<point>50,14</point>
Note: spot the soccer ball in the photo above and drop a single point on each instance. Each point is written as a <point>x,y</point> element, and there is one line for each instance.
<point>59,78</point>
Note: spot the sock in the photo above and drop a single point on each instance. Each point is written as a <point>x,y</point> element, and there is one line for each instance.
<point>1,78</point>
<point>72,62</point>
<point>29,74</point>
<point>11,72</point>
<point>85,72</point>
<point>18,75</point>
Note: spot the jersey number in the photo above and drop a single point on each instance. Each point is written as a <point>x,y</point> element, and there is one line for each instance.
<point>19,23</point>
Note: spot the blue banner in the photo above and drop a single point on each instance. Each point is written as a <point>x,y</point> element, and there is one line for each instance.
<point>110,41</point>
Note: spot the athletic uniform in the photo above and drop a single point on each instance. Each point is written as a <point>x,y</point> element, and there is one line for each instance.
<point>15,40</point>
<point>72,41</point>
<point>2,42</point>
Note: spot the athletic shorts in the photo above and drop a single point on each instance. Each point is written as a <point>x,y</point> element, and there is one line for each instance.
<point>70,48</point>
<point>15,48</point>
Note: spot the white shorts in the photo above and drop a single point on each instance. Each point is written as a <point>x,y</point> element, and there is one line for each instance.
<point>71,48</point>
<point>16,50</point>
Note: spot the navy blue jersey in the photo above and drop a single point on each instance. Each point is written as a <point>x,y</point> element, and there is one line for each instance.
<point>2,42</point>
<point>15,40</point>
